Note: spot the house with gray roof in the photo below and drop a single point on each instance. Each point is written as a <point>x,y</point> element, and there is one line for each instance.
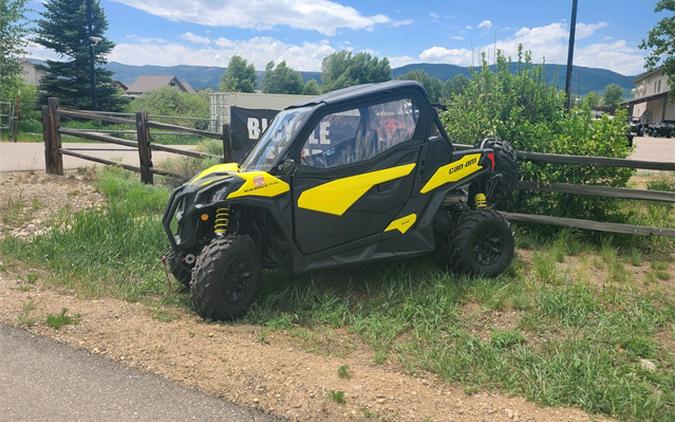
<point>147,83</point>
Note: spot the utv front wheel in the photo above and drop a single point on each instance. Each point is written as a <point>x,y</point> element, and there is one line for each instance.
<point>481,243</point>
<point>225,278</point>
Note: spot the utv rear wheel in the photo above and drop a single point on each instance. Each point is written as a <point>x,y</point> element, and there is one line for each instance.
<point>178,269</point>
<point>506,164</point>
<point>225,278</point>
<point>481,243</point>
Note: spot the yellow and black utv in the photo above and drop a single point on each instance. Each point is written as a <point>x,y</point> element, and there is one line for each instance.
<point>357,175</point>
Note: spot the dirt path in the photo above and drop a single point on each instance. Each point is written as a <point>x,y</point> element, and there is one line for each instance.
<point>233,361</point>
<point>230,362</point>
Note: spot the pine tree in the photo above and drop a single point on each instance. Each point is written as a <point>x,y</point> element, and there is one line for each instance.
<point>71,28</point>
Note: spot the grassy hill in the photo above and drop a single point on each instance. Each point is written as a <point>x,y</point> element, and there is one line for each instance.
<point>585,79</point>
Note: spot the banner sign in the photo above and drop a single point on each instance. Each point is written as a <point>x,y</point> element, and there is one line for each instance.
<point>246,126</point>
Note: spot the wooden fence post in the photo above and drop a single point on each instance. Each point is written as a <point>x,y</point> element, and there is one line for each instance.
<point>227,144</point>
<point>52,138</point>
<point>144,150</point>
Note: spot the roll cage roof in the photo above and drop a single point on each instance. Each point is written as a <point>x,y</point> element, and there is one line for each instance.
<point>358,92</point>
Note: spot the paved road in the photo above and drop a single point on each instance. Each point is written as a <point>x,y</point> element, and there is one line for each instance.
<point>654,149</point>
<point>23,156</point>
<point>44,380</point>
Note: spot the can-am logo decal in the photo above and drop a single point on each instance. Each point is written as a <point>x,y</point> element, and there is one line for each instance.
<point>460,166</point>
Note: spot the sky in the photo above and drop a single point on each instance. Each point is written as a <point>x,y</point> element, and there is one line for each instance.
<point>303,32</point>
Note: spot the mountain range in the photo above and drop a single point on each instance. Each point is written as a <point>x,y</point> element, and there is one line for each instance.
<point>584,79</point>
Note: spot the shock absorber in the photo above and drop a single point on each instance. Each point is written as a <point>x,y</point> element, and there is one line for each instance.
<point>480,200</point>
<point>222,220</point>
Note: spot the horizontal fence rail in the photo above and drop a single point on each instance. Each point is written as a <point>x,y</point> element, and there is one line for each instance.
<point>52,132</point>
<point>54,151</point>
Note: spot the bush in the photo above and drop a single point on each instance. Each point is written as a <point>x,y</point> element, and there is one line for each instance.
<point>520,107</point>
<point>172,102</point>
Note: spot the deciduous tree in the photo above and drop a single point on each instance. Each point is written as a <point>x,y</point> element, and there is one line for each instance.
<point>239,76</point>
<point>661,42</point>
<point>612,95</point>
<point>13,29</point>
<point>342,69</point>
<point>433,86</point>
<point>281,79</point>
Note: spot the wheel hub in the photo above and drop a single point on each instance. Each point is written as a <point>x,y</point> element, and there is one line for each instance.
<point>488,248</point>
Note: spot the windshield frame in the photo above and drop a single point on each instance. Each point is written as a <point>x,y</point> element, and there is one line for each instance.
<point>268,139</point>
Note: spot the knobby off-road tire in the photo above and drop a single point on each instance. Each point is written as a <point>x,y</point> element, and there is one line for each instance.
<point>481,243</point>
<point>225,278</point>
<point>506,163</point>
<point>180,272</point>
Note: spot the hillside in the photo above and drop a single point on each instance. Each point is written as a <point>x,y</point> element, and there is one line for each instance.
<point>585,79</point>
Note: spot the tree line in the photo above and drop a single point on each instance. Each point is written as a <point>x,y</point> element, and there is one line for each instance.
<point>338,70</point>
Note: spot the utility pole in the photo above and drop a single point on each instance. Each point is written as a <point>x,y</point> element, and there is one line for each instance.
<point>570,55</point>
<point>92,66</point>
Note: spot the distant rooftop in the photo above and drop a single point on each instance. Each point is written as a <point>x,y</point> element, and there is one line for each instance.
<point>147,83</point>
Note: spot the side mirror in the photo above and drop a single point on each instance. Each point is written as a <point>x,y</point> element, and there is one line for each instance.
<point>287,166</point>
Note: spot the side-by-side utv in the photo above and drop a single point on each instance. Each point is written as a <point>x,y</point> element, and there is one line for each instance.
<point>357,175</point>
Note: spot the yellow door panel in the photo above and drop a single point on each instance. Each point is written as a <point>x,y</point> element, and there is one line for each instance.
<point>335,197</point>
<point>453,172</point>
<point>259,183</point>
<point>402,224</point>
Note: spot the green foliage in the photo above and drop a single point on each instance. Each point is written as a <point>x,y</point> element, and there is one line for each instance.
<point>433,86</point>
<point>612,95</point>
<point>661,41</point>
<point>58,321</point>
<point>170,101</point>
<point>112,251</point>
<point>13,30</point>
<point>311,88</point>
<point>342,69</point>
<point>63,28</point>
<point>456,85</point>
<point>281,79</point>
<point>522,108</point>
<point>337,396</point>
<point>592,100</point>
<point>239,76</point>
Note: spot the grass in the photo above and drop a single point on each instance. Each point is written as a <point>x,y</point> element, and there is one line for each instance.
<point>24,318</point>
<point>60,320</point>
<point>337,396</point>
<point>557,337</point>
<point>343,372</point>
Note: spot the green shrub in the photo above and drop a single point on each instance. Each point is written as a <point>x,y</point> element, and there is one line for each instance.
<point>522,108</point>
<point>172,102</point>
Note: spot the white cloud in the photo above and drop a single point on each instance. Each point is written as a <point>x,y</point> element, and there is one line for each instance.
<point>195,39</point>
<point>456,37</point>
<point>437,54</point>
<point>486,24</point>
<point>435,17</point>
<point>617,56</point>
<point>257,50</point>
<point>585,30</point>
<point>324,16</point>
<point>402,22</point>
<point>549,42</point>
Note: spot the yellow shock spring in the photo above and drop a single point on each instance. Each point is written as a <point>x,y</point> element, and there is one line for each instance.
<point>222,220</point>
<point>480,200</point>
